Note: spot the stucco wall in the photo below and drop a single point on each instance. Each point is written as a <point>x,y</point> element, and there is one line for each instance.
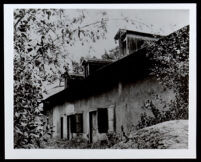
<point>58,112</point>
<point>127,99</point>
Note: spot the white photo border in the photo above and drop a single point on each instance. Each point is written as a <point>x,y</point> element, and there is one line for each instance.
<point>11,153</point>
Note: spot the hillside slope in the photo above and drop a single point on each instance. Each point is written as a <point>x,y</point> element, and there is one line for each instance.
<point>166,135</point>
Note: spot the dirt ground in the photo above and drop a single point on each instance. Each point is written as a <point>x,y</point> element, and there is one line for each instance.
<point>166,135</point>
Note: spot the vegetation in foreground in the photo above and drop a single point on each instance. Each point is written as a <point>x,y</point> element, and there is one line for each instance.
<point>167,135</point>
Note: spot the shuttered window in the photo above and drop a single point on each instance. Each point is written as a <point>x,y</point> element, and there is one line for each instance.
<point>72,122</point>
<point>103,120</point>
<point>77,123</point>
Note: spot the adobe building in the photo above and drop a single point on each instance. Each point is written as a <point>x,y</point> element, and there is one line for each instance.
<point>109,97</point>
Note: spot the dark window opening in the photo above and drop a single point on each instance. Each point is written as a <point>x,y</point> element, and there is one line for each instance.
<point>72,122</point>
<point>77,123</point>
<point>103,120</point>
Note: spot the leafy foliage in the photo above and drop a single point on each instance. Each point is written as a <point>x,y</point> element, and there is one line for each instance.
<point>171,66</point>
<point>159,115</point>
<point>41,40</point>
<point>113,54</point>
<point>77,67</point>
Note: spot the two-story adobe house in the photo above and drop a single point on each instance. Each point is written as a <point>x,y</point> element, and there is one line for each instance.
<point>109,96</point>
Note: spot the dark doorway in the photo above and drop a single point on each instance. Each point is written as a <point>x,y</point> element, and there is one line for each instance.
<point>102,120</point>
<point>61,127</point>
<point>92,125</point>
<point>68,127</point>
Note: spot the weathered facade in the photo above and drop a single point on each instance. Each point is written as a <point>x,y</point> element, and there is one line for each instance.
<point>108,98</point>
<point>131,41</point>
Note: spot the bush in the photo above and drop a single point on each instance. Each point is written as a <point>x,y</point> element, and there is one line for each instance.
<point>173,112</point>
<point>171,66</point>
<point>113,138</point>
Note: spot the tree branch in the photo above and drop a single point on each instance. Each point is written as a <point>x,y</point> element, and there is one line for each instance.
<point>15,26</point>
<point>97,22</point>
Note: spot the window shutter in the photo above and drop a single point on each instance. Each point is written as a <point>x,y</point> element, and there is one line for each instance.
<point>111,118</point>
<point>79,123</point>
<point>102,120</point>
<point>72,119</point>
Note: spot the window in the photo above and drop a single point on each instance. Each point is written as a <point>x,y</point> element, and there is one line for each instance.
<point>77,123</point>
<point>72,123</point>
<point>102,120</point>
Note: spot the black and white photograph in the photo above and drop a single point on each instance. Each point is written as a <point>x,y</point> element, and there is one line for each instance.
<point>101,79</point>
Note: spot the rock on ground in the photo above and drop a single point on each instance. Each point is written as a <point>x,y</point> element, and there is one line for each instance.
<point>166,135</point>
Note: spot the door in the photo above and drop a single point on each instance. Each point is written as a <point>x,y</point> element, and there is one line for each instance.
<point>92,125</point>
<point>68,127</point>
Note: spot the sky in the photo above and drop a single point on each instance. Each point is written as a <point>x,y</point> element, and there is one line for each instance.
<point>155,21</point>
<point>158,21</point>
